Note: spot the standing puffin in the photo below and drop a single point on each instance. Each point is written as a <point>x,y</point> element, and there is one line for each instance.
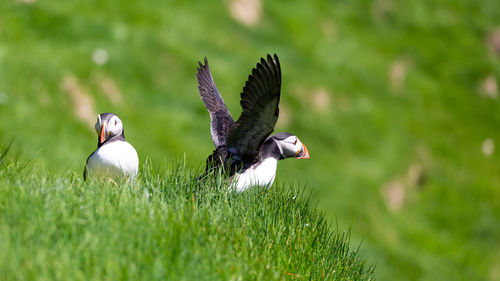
<point>244,147</point>
<point>114,156</point>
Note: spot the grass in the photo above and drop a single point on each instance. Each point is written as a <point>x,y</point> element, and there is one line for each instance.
<point>164,226</point>
<point>390,98</point>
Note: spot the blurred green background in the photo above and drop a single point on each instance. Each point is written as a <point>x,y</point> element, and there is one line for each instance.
<point>397,102</point>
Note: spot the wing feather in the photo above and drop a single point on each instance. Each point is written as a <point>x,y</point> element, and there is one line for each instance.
<point>259,101</point>
<point>220,118</point>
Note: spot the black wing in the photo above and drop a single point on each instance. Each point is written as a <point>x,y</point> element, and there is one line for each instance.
<point>221,120</point>
<point>85,173</point>
<point>85,169</point>
<point>259,102</point>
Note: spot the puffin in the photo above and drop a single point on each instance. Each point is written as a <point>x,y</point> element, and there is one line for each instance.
<point>244,150</point>
<point>114,156</point>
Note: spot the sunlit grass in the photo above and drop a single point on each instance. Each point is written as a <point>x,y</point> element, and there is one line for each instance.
<point>163,226</point>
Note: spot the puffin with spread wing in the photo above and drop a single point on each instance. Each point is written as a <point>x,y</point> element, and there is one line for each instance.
<point>244,148</point>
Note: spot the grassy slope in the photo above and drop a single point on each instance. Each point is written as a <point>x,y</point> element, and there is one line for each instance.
<point>370,133</point>
<point>162,228</point>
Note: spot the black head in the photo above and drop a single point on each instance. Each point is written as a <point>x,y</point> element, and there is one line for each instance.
<point>108,126</point>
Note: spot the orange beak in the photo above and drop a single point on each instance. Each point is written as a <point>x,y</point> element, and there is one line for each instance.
<point>305,153</point>
<point>102,136</point>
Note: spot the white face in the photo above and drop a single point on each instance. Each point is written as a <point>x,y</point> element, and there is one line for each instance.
<point>290,147</point>
<point>112,127</point>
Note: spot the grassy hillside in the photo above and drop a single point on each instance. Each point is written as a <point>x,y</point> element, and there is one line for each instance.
<point>396,101</point>
<point>56,227</point>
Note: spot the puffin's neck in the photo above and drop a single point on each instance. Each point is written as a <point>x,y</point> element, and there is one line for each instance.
<point>270,149</point>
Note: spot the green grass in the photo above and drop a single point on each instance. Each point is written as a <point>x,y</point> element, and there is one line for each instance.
<point>164,226</point>
<point>372,132</point>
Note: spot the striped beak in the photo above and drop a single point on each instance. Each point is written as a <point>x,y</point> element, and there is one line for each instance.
<point>303,153</point>
<point>102,136</point>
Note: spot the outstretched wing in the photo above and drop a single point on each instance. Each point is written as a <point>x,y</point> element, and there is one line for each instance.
<point>259,102</point>
<point>220,118</point>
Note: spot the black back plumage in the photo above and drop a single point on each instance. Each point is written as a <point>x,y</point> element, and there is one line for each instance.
<point>239,144</point>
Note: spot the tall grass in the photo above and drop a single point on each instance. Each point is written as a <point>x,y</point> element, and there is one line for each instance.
<point>163,226</point>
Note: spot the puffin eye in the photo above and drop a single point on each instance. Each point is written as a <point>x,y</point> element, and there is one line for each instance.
<point>295,142</point>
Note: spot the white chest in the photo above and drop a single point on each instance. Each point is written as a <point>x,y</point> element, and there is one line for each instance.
<point>114,159</point>
<point>262,175</point>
